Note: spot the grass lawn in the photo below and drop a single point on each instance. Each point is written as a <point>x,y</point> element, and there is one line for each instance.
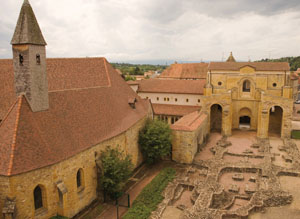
<point>148,200</point>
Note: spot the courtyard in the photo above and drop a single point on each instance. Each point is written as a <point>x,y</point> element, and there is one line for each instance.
<point>240,176</point>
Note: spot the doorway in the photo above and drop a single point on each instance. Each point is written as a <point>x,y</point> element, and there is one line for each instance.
<point>275,120</point>
<point>245,122</point>
<point>216,118</point>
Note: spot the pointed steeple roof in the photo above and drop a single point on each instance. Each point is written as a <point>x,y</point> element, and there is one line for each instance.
<point>231,58</point>
<point>27,30</point>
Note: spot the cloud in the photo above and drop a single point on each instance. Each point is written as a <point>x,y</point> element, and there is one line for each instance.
<point>136,30</point>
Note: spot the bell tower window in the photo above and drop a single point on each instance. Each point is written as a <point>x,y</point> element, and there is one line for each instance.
<point>21,59</point>
<point>38,59</point>
<point>246,86</point>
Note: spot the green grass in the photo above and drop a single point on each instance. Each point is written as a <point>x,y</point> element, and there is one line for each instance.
<point>296,134</point>
<point>151,196</point>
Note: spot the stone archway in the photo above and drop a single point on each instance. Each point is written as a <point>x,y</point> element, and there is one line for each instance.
<point>275,120</point>
<point>216,118</point>
<point>245,118</point>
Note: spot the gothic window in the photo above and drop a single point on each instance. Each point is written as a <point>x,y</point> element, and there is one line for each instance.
<point>187,100</point>
<point>175,99</point>
<point>246,86</point>
<point>38,59</point>
<point>21,59</point>
<point>38,197</point>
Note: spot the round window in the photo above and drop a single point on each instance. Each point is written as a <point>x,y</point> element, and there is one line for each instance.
<point>274,84</point>
<point>219,83</point>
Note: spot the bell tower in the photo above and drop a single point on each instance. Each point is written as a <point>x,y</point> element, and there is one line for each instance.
<point>29,60</point>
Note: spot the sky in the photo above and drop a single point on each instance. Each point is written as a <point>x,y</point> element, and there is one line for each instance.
<point>161,31</point>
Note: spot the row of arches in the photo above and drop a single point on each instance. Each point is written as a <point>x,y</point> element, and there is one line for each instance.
<point>275,119</point>
<point>40,197</point>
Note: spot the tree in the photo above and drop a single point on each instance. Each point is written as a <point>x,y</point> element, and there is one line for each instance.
<point>130,78</point>
<point>155,140</point>
<point>116,170</point>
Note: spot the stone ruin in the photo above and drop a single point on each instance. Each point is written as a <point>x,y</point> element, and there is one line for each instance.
<point>254,186</point>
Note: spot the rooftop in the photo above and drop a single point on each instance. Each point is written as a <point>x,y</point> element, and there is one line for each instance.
<point>189,122</point>
<point>172,86</point>
<point>258,66</point>
<point>186,71</point>
<point>173,110</point>
<point>88,103</point>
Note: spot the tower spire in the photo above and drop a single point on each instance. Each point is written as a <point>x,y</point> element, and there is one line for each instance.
<point>27,30</point>
<point>231,58</point>
<point>29,58</point>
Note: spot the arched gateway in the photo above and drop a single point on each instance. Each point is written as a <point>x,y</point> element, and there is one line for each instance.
<point>216,118</point>
<point>275,120</point>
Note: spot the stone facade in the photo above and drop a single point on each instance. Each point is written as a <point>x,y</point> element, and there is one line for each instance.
<point>267,89</point>
<point>75,199</point>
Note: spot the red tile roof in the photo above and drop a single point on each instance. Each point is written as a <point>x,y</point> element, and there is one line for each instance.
<point>259,66</point>
<point>189,122</point>
<point>173,110</point>
<point>186,71</point>
<point>90,107</point>
<point>7,88</point>
<point>172,86</point>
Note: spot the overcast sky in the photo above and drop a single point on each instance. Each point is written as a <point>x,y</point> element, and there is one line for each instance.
<point>147,30</point>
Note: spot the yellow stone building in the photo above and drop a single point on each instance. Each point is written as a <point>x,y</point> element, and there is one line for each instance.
<point>253,95</point>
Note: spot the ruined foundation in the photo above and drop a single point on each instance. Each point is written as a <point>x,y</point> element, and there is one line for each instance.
<point>232,185</point>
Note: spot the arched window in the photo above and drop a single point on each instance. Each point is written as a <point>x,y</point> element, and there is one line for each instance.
<point>246,86</point>
<point>38,197</point>
<point>79,178</point>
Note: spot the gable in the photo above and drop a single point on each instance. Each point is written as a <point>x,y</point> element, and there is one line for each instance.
<point>247,69</point>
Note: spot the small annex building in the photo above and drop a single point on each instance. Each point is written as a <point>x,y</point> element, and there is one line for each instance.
<point>172,99</point>
<point>57,115</point>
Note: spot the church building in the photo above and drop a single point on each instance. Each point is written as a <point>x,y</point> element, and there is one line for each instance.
<point>57,115</point>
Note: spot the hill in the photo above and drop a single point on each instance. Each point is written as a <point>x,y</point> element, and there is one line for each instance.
<point>294,61</point>
<point>137,69</point>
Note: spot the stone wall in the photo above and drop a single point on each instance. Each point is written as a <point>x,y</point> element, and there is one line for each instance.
<point>75,199</point>
<point>30,76</point>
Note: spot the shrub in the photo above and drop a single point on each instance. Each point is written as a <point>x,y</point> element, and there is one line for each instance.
<point>150,197</point>
<point>116,170</point>
<point>155,140</point>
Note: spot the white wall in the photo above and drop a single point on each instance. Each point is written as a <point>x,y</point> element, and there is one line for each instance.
<point>181,98</point>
